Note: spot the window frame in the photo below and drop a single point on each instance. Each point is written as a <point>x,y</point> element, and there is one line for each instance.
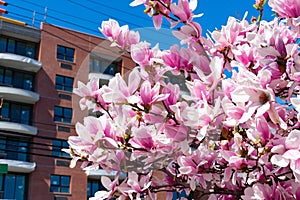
<point>64,86</point>
<point>57,148</point>
<point>116,64</point>
<point>64,54</point>
<point>3,180</point>
<point>12,45</point>
<point>11,112</point>
<point>62,117</point>
<point>60,186</point>
<point>15,148</point>
<point>91,192</point>
<point>4,77</point>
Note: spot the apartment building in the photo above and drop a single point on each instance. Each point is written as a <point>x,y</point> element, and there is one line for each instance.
<point>38,70</point>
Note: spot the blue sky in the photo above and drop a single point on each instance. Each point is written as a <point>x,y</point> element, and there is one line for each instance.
<point>87,15</point>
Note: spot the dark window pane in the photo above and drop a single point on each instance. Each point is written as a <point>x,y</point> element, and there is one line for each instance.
<point>65,180</point>
<point>5,111</point>
<point>21,48</point>
<point>9,187</point>
<point>13,186</point>
<point>65,53</point>
<point>8,77</point>
<point>58,111</point>
<point>3,44</point>
<point>54,188</point>
<point>1,76</point>
<point>60,183</point>
<point>18,80</point>
<point>64,83</point>
<point>68,112</point>
<point>55,180</point>
<point>62,114</point>
<point>1,183</point>
<point>16,113</point>
<point>20,187</point>
<point>11,46</point>
<point>30,50</point>
<point>28,82</point>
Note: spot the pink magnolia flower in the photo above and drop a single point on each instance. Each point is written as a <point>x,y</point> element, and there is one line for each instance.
<point>135,184</point>
<point>289,153</point>
<point>142,54</point>
<point>111,188</point>
<point>173,91</point>
<point>119,36</point>
<point>110,29</point>
<point>261,191</point>
<point>286,8</point>
<point>151,95</point>
<point>90,93</point>
<point>184,9</point>
<point>139,2</point>
<point>119,91</point>
<point>185,59</point>
<point>296,103</point>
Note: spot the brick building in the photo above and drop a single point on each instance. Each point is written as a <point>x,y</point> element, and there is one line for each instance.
<point>38,70</point>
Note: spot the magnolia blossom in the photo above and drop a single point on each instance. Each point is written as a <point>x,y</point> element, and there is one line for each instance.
<point>286,8</point>
<point>120,36</point>
<point>225,125</point>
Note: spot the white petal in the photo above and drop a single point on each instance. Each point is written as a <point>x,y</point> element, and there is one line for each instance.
<point>280,161</point>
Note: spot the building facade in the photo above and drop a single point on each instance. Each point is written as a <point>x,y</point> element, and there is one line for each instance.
<point>38,70</point>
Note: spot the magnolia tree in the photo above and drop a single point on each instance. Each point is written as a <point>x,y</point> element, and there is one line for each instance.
<point>231,133</point>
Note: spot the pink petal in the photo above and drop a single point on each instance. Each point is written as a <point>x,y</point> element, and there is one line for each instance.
<point>280,161</point>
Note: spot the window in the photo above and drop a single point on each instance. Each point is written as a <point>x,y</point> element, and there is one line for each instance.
<point>62,114</point>
<point>64,83</point>
<point>59,183</point>
<point>16,112</point>
<point>13,186</point>
<point>57,146</point>
<point>93,186</point>
<point>65,53</point>
<point>17,79</point>
<point>14,148</point>
<point>100,65</point>
<point>17,46</point>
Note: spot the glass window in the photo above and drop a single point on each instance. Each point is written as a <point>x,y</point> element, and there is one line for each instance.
<point>11,46</point>
<point>13,148</point>
<point>93,186</point>
<point>5,111</point>
<point>100,65</point>
<point>1,76</point>
<point>18,79</point>
<point>65,53</point>
<point>16,112</point>
<point>57,146</point>
<point>21,48</point>
<point>59,183</point>
<point>62,114</point>
<point>28,82</point>
<point>3,42</point>
<point>17,46</point>
<point>13,186</point>
<point>64,83</point>
<point>30,50</point>
<point>8,77</point>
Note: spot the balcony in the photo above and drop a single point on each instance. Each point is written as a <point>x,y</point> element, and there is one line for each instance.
<point>19,95</point>
<point>19,166</point>
<point>19,62</point>
<point>17,127</point>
